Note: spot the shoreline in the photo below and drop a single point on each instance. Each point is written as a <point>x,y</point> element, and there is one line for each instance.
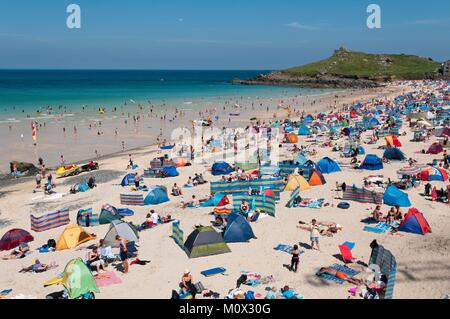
<point>324,98</point>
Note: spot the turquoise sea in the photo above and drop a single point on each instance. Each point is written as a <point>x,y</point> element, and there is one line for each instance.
<point>25,92</point>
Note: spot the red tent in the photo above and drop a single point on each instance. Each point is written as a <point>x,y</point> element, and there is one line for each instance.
<point>13,238</point>
<point>415,223</point>
<point>397,143</point>
<point>435,148</point>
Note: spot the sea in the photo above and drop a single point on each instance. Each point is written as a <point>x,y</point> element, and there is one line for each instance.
<point>26,93</point>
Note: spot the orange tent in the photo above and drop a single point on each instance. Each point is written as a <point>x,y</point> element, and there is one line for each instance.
<point>180,161</point>
<point>293,138</point>
<point>316,179</point>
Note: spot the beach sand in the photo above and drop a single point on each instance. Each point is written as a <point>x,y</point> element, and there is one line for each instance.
<point>423,261</point>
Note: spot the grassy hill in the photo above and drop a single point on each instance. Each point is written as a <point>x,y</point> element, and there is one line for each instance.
<point>358,65</point>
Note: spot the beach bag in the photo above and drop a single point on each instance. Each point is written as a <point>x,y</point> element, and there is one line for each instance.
<point>250,295</point>
<point>199,287</point>
<point>343,205</point>
<point>175,295</point>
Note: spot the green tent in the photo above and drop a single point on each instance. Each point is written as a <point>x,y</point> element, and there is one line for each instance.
<point>108,214</point>
<point>78,279</point>
<point>205,241</point>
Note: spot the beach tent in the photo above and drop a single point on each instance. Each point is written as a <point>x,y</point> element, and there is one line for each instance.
<point>128,179</point>
<point>72,236</point>
<point>316,178</point>
<point>180,161</point>
<point>327,166</point>
<point>415,223</point>
<point>221,168</point>
<point>393,153</point>
<point>435,148</point>
<point>205,241</point>
<point>238,229</point>
<point>392,141</point>
<point>81,187</point>
<point>218,199</point>
<point>395,197</point>
<point>300,159</point>
<point>108,214</point>
<point>170,171</point>
<point>295,181</point>
<point>292,138</point>
<point>156,195</point>
<point>124,230</point>
<point>360,150</point>
<point>303,130</point>
<point>78,279</point>
<point>372,163</point>
<point>13,238</point>
<point>433,174</point>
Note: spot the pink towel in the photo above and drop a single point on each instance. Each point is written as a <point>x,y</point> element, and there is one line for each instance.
<point>107,279</point>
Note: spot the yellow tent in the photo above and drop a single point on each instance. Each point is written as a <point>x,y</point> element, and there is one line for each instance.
<point>72,236</point>
<point>295,181</point>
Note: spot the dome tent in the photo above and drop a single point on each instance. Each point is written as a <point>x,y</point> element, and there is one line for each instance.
<point>316,178</point>
<point>128,179</point>
<point>78,279</point>
<point>393,153</point>
<point>108,214</point>
<point>433,174</point>
<point>238,229</point>
<point>170,171</point>
<point>327,166</point>
<point>300,159</point>
<point>415,223</point>
<point>296,181</point>
<point>72,236</point>
<point>156,195</point>
<point>372,163</point>
<point>303,130</point>
<point>435,148</point>
<point>395,197</point>
<point>205,241</point>
<point>221,168</point>
<point>13,238</point>
<point>124,230</point>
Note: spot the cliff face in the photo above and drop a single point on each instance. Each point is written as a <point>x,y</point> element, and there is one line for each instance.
<point>346,69</point>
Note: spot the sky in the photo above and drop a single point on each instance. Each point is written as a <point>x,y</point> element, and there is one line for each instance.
<point>213,34</point>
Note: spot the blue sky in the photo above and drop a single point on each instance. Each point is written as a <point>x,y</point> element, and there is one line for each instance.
<point>213,34</point>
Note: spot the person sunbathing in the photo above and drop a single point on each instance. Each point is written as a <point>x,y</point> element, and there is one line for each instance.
<point>340,275</point>
<point>38,267</point>
<point>19,253</point>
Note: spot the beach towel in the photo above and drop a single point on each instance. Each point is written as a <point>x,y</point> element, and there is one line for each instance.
<point>286,248</point>
<point>213,271</point>
<point>349,271</point>
<point>107,279</point>
<point>311,203</point>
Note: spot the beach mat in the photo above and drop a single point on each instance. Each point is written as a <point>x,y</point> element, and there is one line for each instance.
<point>374,230</point>
<point>213,271</point>
<point>286,248</point>
<point>4,293</point>
<point>107,279</point>
<point>344,269</point>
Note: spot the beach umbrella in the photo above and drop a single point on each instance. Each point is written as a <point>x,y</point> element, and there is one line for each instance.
<point>409,171</point>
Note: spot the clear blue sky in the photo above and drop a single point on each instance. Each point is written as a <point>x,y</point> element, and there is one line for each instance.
<point>213,34</point>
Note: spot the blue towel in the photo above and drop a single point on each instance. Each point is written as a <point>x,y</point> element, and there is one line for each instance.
<point>350,245</point>
<point>344,269</point>
<point>286,248</point>
<point>213,271</point>
<point>374,230</point>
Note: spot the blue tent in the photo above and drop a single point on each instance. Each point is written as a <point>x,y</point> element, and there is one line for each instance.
<point>374,121</point>
<point>83,187</point>
<point>300,159</point>
<point>170,171</point>
<point>213,202</point>
<point>129,179</point>
<point>221,168</point>
<point>238,229</point>
<point>303,130</point>
<point>327,166</point>
<point>393,153</point>
<point>395,197</point>
<point>372,163</point>
<point>156,195</point>
<point>360,150</point>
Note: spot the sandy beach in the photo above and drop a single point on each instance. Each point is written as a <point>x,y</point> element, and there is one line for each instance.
<point>423,261</point>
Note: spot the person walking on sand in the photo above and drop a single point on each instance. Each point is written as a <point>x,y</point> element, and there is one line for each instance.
<point>123,253</point>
